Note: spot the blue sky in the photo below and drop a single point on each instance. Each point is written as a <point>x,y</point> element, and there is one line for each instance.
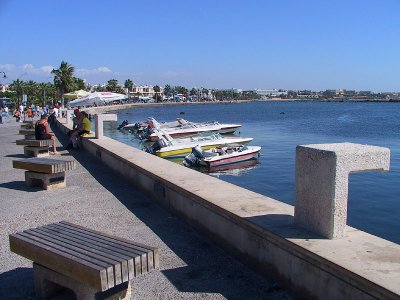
<point>288,44</point>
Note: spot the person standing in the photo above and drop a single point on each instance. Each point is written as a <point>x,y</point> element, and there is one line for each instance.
<point>21,111</point>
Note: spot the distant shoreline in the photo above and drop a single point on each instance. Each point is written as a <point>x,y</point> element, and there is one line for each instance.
<point>108,108</point>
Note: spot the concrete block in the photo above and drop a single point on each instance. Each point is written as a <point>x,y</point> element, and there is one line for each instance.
<point>44,180</point>
<point>69,117</point>
<point>99,119</point>
<point>36,151</point>
<point>29,137</point>
<point>322,172</point>
<point>49,283</point>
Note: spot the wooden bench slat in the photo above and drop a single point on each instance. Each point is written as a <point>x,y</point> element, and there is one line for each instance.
<point>155,252</point>
<point>78,251</point>
<point>133,258</point>
<point>74,254</point>
<point>44,165</point>
<point>141,257</point>
<point>96,248</point>
<point>60,261</point>
<point>147,256</point>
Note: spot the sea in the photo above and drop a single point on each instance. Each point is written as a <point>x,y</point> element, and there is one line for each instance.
<point>278,127</point>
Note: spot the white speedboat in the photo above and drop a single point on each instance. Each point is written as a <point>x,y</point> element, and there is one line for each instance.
<point>168,147</point>
<point>221,155</point>
<point>185,128</point>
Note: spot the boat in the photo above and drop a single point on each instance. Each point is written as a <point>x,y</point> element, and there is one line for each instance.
<point>168,147</point>
<point>181,128</point>
<point>220,156</point>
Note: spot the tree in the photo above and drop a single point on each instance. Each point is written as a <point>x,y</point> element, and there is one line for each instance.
<point>128,84</point>
<point>181,90</point>
<point>63,78</point>
<point>18,87</point>
<point>112,85</point>
<point>167,90</point>
<point>79,84</point>
<point>157,90</point>
<point>193,92</point>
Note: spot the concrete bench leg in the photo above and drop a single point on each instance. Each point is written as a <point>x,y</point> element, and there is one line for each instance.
<point>45,181</point>
<point>30,137</point>
<point>48,283</point>
<point>36,151</point>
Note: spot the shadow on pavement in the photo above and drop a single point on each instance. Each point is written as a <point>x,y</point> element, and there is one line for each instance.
<point>17,284</point>
<point>20,186</point>
<point>208,268</point>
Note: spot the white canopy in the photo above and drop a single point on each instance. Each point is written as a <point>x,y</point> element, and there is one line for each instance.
<point>97,98</point>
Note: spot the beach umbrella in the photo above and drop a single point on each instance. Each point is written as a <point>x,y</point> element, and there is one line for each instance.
<point>97,98</point>
<point>76,94</point>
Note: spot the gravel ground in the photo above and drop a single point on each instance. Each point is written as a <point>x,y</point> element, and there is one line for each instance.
<point>191,267</point>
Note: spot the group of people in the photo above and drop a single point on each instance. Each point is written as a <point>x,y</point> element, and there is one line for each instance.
<point>81,127</point>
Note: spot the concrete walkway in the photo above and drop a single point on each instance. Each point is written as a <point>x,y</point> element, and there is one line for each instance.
<point>190,266</point>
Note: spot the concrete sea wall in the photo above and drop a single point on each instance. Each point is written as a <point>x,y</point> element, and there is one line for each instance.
<point>260,231</point>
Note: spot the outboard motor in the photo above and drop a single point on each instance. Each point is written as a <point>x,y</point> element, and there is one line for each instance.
<point>146,133</point>
<point>193,159</point>
<point>123,124</point>
<point>155,146</point>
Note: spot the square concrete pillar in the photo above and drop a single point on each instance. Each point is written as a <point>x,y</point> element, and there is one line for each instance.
<point>322,174</point>
<point>99,119</point>
<point>68,117</point>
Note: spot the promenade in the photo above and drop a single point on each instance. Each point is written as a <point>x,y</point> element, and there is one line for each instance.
<point>191,267</point>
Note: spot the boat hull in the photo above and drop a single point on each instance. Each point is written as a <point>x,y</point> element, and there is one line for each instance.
<point>220,161</point>
<point>185,150</point>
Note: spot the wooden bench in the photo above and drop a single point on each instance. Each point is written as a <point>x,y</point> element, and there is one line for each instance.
<point>90,263</point>
<point>35,148</point>
<point>43,172</point>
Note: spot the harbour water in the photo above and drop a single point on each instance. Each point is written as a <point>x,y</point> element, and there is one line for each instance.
<point>278,127</point>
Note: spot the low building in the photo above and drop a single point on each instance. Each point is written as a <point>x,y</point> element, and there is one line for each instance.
<point>144,91</point>
<point>271,93</point>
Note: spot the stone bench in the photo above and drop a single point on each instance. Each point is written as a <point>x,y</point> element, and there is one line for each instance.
<point>92,264</point>
<point>43,172</point>
<point>28,133</point>
<point>35,148</point>
<point>27,125</point>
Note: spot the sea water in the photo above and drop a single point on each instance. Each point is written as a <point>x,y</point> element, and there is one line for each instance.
<point>278,127</point>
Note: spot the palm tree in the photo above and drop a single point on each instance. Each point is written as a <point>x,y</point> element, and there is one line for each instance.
<point>156,89</point>
<point>63,79</point>
<point>18,87</point>
<point>167,90</point>
<point>112,85</point>
<point>128,84</point>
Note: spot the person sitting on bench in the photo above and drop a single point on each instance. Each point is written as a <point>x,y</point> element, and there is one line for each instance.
<point>82,129</point>
<point>42,132</point>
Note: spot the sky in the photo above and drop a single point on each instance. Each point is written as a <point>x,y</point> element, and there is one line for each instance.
<point>247,44</point>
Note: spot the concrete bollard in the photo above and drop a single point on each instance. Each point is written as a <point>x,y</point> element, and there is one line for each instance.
<point>322,174</point>
<point>68,117</point>
<point>62,112</point>
<point>99,119</point>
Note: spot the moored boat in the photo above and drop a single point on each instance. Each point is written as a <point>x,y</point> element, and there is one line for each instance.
<point>220,155</point>
<point>168,147</point>
<point>185,128</point>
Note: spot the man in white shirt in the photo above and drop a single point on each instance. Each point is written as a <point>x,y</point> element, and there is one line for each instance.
<point>55,110</point>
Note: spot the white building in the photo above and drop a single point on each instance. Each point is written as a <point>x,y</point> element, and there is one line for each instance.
<point>271,93</point>
<point>144,91</point>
